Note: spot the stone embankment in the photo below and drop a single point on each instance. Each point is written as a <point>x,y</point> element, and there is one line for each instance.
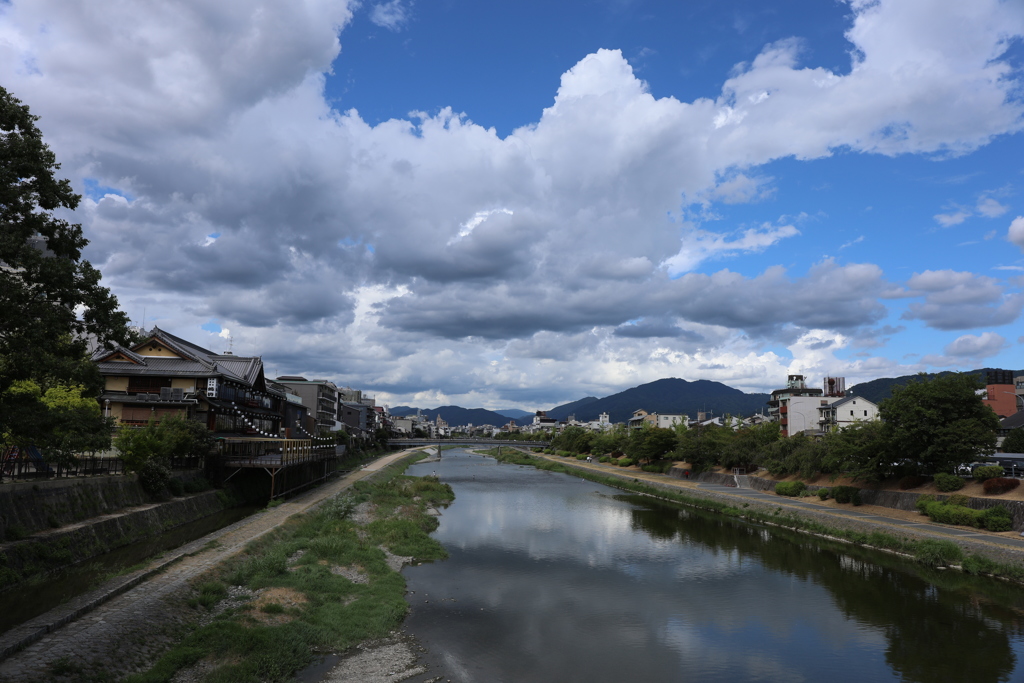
<point>64,522</point>
<point>896,500</point>
<point>29,507</point>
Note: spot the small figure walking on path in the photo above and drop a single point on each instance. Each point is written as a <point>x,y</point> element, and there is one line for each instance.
<point>686,473</point>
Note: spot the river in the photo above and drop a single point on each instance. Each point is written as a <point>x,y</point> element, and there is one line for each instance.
<point>555,578</point>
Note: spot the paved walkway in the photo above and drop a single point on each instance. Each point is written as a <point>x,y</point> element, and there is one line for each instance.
<point>127,633</point>
<point>753,495</point>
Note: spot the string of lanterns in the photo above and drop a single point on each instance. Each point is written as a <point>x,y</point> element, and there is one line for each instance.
<point>252,426</point>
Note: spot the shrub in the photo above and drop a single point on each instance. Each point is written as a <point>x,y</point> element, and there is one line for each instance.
<point>790,488</point>
<point>944,513</point>
<point>604,458</point>
<point>845,494</point>
<point>997,518</point>
<point>977,564</point>
<point>625,462</point>
<point>999,485</point>
<point>210,593</point>
<point>922,503</point>
<point>987,472</point>
<point>959,499</point>
<point>912,482</point>
<point>855,498</point>
<point>176,486</point>
<point>937,553</point>
<point>197,485</point>
<point>948,482</point>
<point>581,456</point>
<point>154,475</point>
<point>822,493</point>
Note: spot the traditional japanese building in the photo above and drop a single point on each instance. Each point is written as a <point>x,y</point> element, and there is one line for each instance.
<point>166,375</point>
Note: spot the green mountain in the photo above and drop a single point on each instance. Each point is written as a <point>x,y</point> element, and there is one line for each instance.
<point>666,396</point>
<point>456,416</point>
<point>514,413</point>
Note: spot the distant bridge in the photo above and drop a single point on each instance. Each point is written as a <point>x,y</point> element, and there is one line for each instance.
<point>411,443</point>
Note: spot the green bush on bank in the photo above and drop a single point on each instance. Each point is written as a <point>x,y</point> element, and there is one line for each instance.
<point>987,472</point>
<point>952,511</point>
<point>823,493</point>
<point>948,482</point>
<point>790,488</point>
<point>846,494</point>
<point>936,553</point>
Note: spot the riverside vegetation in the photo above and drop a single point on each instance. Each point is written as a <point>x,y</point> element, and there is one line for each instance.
<point>331,576</point>
<point>928,427</point>
<point>931,553</point>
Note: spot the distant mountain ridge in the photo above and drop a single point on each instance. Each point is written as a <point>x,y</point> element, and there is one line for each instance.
<point>513,413</point>
<point>455,415</point>
<point>670,395</point>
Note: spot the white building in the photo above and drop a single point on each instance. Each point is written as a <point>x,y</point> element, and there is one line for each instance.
<point>844,412</point>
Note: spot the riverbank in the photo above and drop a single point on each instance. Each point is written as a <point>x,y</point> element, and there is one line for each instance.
<point>127,634</point>
<point>937,545</point>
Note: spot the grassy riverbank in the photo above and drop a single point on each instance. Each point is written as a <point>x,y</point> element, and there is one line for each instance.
<point>321,582</point>
<point>934,553</point>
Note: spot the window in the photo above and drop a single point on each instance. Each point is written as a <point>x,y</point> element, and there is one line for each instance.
<point>851,413</point>
<point>147,385</point>
<point>865,413</point>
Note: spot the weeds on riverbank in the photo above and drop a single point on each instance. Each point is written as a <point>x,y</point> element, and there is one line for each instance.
<point>928,552</point>
<point>310,557</point>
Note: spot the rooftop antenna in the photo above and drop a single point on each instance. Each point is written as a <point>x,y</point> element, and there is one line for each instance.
<point>231,344</point>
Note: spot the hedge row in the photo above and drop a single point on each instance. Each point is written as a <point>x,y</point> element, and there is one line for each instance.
<point>995,518</point>
<point>790,488</point>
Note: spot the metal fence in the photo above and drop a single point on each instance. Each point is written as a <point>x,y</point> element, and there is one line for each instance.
<point>29,468</point>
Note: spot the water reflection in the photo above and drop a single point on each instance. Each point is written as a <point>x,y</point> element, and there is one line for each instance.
<point>552,578</point>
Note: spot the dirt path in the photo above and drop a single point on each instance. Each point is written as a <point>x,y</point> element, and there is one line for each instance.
<point>126,633</point>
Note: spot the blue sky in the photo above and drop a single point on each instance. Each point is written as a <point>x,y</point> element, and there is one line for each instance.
<point>519,204</point>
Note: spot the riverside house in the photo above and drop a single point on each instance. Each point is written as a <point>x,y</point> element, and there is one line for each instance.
<point>166,375</point>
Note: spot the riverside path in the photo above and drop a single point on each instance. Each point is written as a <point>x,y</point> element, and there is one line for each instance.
<point>1000,547</point>
<point>125,625</point>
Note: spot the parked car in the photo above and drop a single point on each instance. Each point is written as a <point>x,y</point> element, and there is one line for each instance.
<point>1012,468</point>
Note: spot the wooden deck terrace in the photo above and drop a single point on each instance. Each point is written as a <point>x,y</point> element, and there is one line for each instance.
<point>276,457</point>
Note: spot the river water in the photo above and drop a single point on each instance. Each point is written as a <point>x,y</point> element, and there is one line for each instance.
<point>554,578</point>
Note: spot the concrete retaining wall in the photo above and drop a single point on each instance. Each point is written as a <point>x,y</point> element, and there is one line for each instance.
<point>30,507</point>
<point>907,500</point>
<point>49,552</point>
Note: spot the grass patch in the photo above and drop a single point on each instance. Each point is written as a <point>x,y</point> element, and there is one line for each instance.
<point>337,613</point>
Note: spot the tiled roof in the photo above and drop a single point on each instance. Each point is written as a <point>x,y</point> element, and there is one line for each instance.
<point>195,361</point>
<point>156,365</point>
<point>1015,421</point>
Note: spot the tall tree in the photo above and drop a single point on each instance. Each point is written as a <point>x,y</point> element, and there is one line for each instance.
<point>51,301</point>
<point>939,423</point>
